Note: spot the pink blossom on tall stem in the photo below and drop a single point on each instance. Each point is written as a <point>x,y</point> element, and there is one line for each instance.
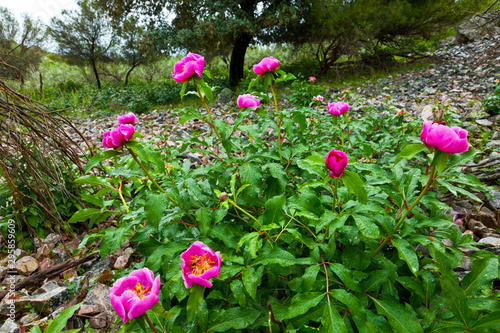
<point>128,118</point>
<point>312,78</point>
<point>247,101</point>
<point>338,108</point>
<point>200,263</point>
<point>188,66</point>
<point>133,295</point>
<point>336,162</point>
<point>117,137</point>
<point>266,65</point>
<point>449,140</point>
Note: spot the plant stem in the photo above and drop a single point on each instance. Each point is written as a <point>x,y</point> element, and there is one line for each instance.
<point>209,113</point>
<point>247,214</point>
<point>278,116</point>
<point>150,323</point>
<point>121,196</point>
<point>134,156</point>
<point>401,219</point>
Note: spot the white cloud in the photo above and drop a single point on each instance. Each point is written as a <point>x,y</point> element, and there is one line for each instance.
<point>41,9</point>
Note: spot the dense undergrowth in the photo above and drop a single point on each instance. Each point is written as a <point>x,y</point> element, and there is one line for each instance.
<point>300,251</point>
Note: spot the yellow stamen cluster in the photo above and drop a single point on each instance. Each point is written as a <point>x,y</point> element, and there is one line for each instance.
<point>140,291</point>
<point>201,264</point>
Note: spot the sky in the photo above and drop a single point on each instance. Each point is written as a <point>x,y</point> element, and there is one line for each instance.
<point>42,9</point>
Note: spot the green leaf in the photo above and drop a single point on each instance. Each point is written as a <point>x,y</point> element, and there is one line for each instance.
<point>111,241</point>
<point>487,323</point>
<point>239,292</point>
<point>252,279</point>
<point>352,303</point>
<point>355,185</point>
<point>406,253</point>
<point>204,217</point>
<point>156,204</point>
<point>301,303</point>
<point>234,318</point>
<point>61,319</point>
<point>366,226</point>
<point>481,276</point>
<point>274,209</point>
<point>276,170</point>
<point>99,157</point>
<point>93,180</point>
<point>400,318</point>
<point>454,297</point>
<point>83,214</point>
<point>332,321</point>
<point>455,189</point>
<point>346,276</point>
<point>194,301</point>
<point>409,151</point>
<point>440,160</point>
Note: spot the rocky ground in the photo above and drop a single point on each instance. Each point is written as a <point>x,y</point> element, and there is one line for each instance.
<point>462,76</point>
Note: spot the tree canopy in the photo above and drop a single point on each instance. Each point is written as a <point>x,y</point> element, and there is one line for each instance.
<point>217,27</point>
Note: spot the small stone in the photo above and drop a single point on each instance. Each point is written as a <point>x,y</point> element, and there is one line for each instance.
<point>29,319</point>
<point>493,241</point>
<point>484,122</point>
<point>9,327</point>
<point>88,309</point>
<point>46,264</point>
<point>26,265</point>
<point>99,321</point>
<point>487,218</point>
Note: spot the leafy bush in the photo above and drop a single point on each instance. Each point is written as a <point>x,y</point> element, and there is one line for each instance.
<point>300,250</point>
<point>492,103</point>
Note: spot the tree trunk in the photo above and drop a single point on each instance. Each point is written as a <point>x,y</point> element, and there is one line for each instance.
<point>128,73</point>
<point>241,44</point>
<point>96,74</point>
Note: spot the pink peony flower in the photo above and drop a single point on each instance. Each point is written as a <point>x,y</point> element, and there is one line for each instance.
<point>338,108</point>
<point>200,263</point>
<point>449,140</point>
<point>188,66</point>
<point>318,98</point>
<point>133,295</point>
<point>117,137</point>
<point>266,65</point>
<point>128,118</point>
<point>336,162</point>
<point>106,140</point>
<point>247,101</point>
<point>312,78</point>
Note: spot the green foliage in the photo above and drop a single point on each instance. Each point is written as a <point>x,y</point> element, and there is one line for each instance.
<point>492,103</point>
<point>330,258</point>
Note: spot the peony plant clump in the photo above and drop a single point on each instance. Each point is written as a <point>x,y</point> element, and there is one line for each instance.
<point>303,220</point>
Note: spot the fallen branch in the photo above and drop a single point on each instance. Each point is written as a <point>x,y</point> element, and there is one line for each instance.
<point>50,272</point>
